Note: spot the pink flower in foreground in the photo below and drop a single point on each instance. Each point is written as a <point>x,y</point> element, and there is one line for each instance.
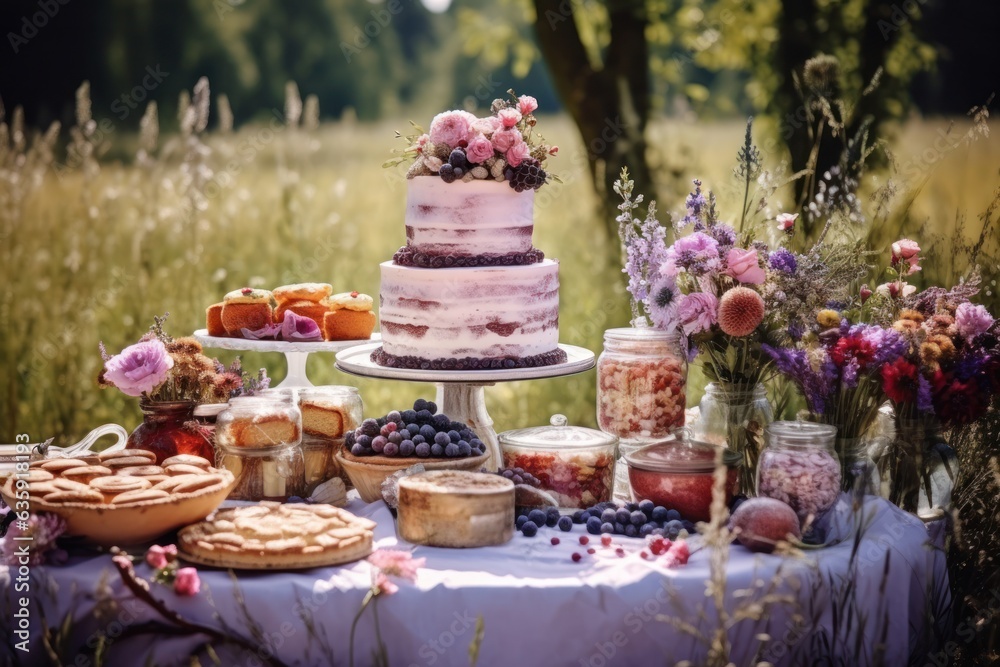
<point>299,327</point>
<point>140,368</point>
<point>504,139</point>
<point>786,222</point>
<point>518,153</point>
<point>422,141</point>
<point>972,320</point>
<point>893,290</point>
<point>480,150</point>
<point>526,104</point>
<point>905,250</point>
<point>392,562</point>
<point>743,266</point>
<point>865,292</point>
<point>186,581</point>
<point>451,128</point>
<point>487,126</point>
<point>156,557</point>
<point>509,117</point>
<point>697,312</point>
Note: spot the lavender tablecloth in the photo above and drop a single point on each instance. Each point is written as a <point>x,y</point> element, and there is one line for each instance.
<point>538,606</point>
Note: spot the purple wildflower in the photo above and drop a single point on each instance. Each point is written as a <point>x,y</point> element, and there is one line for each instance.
<point>697,253</point>
<point>925,401</point>
<point>695,204</point>
<point>724,235</point>
<point>43,529</point>
<point>783,261</point>
<point>796,330</point>
<point>664,299</point>
<point>972,320</point>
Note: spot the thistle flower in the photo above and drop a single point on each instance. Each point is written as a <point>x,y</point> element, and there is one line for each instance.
<point>741,310</point>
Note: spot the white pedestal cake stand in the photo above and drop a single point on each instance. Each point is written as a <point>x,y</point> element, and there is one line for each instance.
<point>461,394</point>
<point>296,353</point>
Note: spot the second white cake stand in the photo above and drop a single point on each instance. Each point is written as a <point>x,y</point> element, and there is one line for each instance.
<point>296,352</point>
<point>462,394</point>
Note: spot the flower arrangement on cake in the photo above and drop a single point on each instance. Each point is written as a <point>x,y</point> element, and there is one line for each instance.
<point>504,146</point>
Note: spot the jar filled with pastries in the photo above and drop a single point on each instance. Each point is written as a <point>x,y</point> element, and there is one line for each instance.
<point>258,439</point>
<point>327,414</point>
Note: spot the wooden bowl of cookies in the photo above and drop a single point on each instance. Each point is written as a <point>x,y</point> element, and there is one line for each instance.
<point>368,472</point>
<point>122,498</point>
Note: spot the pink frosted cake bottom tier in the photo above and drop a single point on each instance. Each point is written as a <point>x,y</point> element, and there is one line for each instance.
<point>474,318</point>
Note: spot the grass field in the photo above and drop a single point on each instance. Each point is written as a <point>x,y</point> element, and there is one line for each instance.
<point>93,251</point>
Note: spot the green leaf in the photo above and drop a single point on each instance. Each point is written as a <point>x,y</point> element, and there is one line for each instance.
<point>732,357</point>
<point>477,640</point>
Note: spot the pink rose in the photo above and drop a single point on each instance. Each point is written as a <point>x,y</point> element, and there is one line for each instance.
<point>518,152</point>
<point>905,250</point>
<point>786,222</point>
<point>526,104</point>
<point>504,139</point>
<point>743,266</point>
<point>186,581</point>
<point>451,128</point>
<point>487,126</point>
<point>156,557</point>
<point>480,150</point>
<point>509,117</point>
<point>140,368</point>
<point>697,312</point>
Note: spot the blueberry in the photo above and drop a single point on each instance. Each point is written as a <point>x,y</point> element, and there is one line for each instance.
<point>458,426</point>
<point>409,416</point>
<point>432,407</point>
<point>437,450</point>
<point>364,440</point>
<point>607,527</point>
<point>517,479</point>
<point>349,439</point>
<point>395,437</point>
<point>646,507</point>
<point>394,416</point>
<point>594,525</point>
<point>413,429</point>
<point>466,434</point>
<point>455,437</point>
<point>358,449</point>
<point>507,473</point>
<point>521,520</point>
<point>688,526</point>
<point>660,514</point>
<point>419,404</point>
<point>631,530</point>
<point>631,507</point>
<point>565,524</point>
<point>608,516</point>
<point>619,528</point>
<point>638,517</point>
<point>518,471</point>
<point>418,439</point>
<point>451,450</point>
<point>441,439</point>
<point>381,421</point>
<point>673,515</point>
<point>379,443</point>
<point>580,516</point>
<point>424,417</point>
<point>457,159</point>
<point>476,442</point>
<point>391,449</point>
<point>427,432</point>
<point>529,529</point>
<point>646,529</point>
<point>370,427</point>
<point>294,500</point>
<point>552,515</point>
<point>672,529</point>
<point>423,450</point>
<point>538,516</point>
<point>407,448</point>
<point>623,516</point>
<point>464,449</point>
<point>440,422</point>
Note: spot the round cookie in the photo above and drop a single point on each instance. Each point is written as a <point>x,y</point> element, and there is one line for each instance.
<point>133,497</point>
<point>193,483</point>
<point>127,453</point>
<point>36,475</point>
<point>56,466</point>
<point>139,471</point>
<point>69,485</point>
<point>86,495</point>
<point>110,487</point>
<point>188,459</point>
<point>127,462</point>
<point>85,474</point>
<point>183,469</point>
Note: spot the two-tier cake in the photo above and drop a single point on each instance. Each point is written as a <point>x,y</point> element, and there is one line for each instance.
<point>469,291</point>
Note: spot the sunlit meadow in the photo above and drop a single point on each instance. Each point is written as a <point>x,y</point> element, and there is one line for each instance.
<point>101,235</point>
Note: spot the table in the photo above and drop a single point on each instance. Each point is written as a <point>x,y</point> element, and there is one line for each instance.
<point>538,606</point>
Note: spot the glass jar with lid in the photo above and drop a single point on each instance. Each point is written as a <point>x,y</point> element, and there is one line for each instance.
<point>679,474</point>
<point>573,463</point>
<point>271,473</point>
<point>641,378</point>
<point>799,466</point>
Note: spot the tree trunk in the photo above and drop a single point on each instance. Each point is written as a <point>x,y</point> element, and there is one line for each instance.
<point>608,102</point>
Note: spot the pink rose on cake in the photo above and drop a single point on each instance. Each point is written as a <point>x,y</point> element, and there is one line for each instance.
<point>509,117</point>
<point>518,153</point>
<point>452,128</point>
<point>504,139</point>
<point>487,126</point>
<point>480,150</point>
<point>526,104</point>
